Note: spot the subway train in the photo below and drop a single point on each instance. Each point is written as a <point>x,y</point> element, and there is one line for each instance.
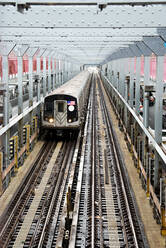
<point>64,107</point>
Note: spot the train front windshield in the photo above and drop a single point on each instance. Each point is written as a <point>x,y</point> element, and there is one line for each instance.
<point>48,107</point>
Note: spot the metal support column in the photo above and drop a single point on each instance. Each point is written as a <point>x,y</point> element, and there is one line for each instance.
<point>126,89</point>
<point>118,75</point>
<point>146,164</point>
<point>30,81</point>
<point>31,52</point>
<point>44,76</point>
<point>20,99</point>
<point>158,113</point>
<point>72,70</point>
<point>111,75</point>
<point>146,109</point>
<point>6,136</point>
<point>59,72</point>
<point>20,84</point>
<point>38,83</point>
<point>109,71</point>
<point>20,50</point>
<point>115,75</point>
<point>126,98</point>
<point>69,70</point>
<point>49,74</point>
<point>66,68</point>
<point>5,79</point>
<point>137,85</point>
<point>63,72</point>
<point>5,51</point>
<point>53,70</point>
<point>39,55</point>
<point>31,89</point>
<point>146,81</point>
<point>122,77</point>
<point>159,99</point>
<point>131,82</point>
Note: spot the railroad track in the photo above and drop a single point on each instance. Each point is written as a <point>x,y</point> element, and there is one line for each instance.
<point>30,207</point>
<point>26,191</point>
<point>57,216</point>
<point>106,215</point>
<point>93,230</point>
<point>132,233</point>
<point>82,200</point>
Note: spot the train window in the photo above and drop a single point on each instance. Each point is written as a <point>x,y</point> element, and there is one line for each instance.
<point>48,106</point>
<point>60,107</point>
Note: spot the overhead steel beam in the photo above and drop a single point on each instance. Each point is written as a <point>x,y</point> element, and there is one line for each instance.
<point>156,44</point>
<point>5,48</point>
<point>81,38</point>
<point>72,39</point>
<point>105,32</point>
<point>83,31</point>
<point>146,51</point>
<point>81,2</point>
<point>85,17</point>
<point>162,32</point>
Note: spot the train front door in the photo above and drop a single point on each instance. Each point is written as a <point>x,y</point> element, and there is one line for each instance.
<point>60,113</point>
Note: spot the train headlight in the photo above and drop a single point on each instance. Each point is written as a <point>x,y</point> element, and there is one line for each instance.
<point>51,120</point>
<point>71,108</point>
<point>69,120</point>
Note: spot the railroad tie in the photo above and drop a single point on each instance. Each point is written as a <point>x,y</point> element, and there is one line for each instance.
<point>19,242</point>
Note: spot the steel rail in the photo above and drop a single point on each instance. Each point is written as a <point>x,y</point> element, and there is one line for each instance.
<point>83,191</point>
<point>93,162</point>
<point>44,203</point>
<point>120,171</point>
<point>74,224</point>
<point>25,187</point>
<point>60,237</point>
<point>60,187</point>
<point>62,174</point>
<point>38,178</point>
<point>97,169</point>
<point>39,204</point>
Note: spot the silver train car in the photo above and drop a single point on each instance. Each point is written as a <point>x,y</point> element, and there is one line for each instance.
<point>65,106</point>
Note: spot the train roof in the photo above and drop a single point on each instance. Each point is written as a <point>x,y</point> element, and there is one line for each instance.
<point>73,87</point>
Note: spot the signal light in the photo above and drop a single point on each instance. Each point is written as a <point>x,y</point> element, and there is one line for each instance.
<point>35,123</point>
<point>24,135</point>
<point>151,169</point>
<point>11,148</point>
